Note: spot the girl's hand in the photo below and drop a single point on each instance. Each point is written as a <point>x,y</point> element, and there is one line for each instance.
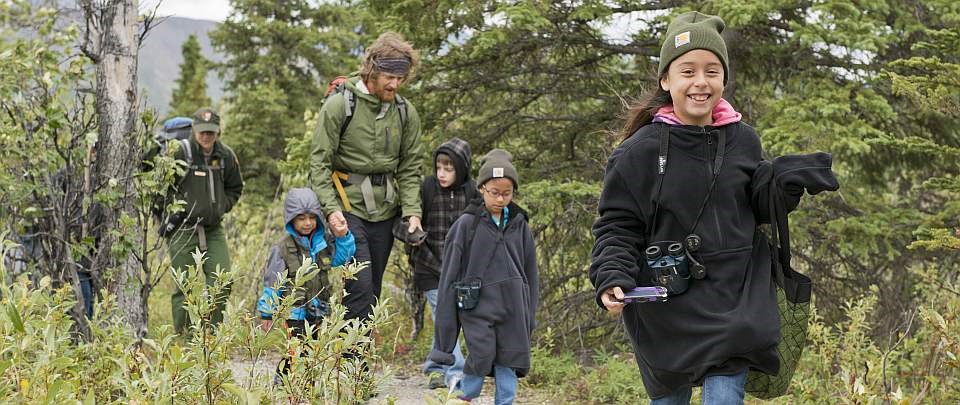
<point>265,324</point>
<point>612,299</point>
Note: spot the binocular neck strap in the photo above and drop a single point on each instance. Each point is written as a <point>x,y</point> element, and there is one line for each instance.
<point>664,134</point>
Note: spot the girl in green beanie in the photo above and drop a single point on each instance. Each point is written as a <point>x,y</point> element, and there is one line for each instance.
<point>681,179</point>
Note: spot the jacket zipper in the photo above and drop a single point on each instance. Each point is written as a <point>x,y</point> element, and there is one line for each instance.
<point>709,147</point>
<point>713,208</point>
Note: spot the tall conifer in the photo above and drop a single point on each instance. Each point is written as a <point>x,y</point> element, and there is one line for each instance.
<point>191,91</point>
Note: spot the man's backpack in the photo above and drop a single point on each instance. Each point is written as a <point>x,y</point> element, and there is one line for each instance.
<point>176,129</point>
<point>338,86</point>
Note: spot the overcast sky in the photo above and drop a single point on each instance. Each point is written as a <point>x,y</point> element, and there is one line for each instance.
<point>214,10</point>
<point>619,29</point>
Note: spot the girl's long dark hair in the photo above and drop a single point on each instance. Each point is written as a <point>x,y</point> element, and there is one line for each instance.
<point>641,112</point>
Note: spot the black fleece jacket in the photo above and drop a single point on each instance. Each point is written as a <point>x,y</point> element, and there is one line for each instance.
<point>498,330</point>
<point>723,323</point>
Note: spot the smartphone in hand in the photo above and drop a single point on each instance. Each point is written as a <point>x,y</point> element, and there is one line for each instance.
<point>645,294</point>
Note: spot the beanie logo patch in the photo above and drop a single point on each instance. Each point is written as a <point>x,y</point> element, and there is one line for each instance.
<point>681,39</point>
<point>497,172</point>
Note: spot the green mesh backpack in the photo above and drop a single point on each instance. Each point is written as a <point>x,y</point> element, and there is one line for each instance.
<point>793,301</point>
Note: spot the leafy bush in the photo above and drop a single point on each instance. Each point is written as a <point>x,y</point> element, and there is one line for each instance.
<point>40,361</point>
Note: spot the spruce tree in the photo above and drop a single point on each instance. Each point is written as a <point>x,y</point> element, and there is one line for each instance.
<point>191,91</point>
<point>874,82</point>
<point>278,58</point>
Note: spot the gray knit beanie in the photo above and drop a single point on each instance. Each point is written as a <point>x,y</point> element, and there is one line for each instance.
<point>496,164</point>
<point>694,30</point>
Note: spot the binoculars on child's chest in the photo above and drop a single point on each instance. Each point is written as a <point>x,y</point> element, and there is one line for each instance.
<point>468,294</point>
<point>674,266</point>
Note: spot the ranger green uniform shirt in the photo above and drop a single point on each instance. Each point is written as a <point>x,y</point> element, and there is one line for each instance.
<point>368,146</point>
<point>209,189</point>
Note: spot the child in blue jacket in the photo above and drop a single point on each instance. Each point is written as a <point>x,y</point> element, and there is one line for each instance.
<point>304,236</point>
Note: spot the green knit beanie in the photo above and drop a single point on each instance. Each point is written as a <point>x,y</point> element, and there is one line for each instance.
<point>496,164</point>
<point>694,30</point>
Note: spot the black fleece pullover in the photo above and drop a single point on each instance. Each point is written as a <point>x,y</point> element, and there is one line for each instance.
<point>723,323</point>
<point>498,330</point>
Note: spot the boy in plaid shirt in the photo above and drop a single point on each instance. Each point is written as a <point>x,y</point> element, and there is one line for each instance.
<point>444,196</point>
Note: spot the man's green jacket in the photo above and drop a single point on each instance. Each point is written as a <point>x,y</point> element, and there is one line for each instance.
<point>368,146</point>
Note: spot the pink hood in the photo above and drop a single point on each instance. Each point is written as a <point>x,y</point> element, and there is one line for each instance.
<point>723,114</point>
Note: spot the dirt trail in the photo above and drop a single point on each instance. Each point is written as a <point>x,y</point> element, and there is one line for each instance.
<point>408,386</point>
<point>405,385</point>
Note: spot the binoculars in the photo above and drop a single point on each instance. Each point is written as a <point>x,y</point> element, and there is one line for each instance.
<point>672,269</point>
<point>468,294</point>
<point>317,310</point>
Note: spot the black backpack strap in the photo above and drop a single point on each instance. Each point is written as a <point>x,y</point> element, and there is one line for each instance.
<point>350,107</point>
<point>467,247</point>
<point>188,158</point>
<point>427,191</point>
<point>796,287</point>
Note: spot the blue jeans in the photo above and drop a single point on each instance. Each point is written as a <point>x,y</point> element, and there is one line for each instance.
<point>506,381</point>
<point>449,372</point>
<point>717,389</point>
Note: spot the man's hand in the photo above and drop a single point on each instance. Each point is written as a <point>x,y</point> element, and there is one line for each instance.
<point>612,299</point>
<point>414,224</point>
<point>338,224</point>
<point>265,324</point>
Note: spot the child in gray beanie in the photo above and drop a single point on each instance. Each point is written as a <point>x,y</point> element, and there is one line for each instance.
<point>489,285</point>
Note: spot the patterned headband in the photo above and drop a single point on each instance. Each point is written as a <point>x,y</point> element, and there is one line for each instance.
<point>393,66</point>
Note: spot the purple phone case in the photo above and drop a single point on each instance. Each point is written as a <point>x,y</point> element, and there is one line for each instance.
<point>645,294</point>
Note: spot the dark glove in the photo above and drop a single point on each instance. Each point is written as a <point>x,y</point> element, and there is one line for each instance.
<point>811,172</point>
<point>400,227</point>
<point>317,310</point>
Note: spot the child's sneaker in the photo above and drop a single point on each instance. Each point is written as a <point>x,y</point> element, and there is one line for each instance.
<point>436,381</point>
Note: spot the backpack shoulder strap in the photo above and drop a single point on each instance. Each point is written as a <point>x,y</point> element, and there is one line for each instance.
<point>402,108</point>
<point>349,106</point>
<point>187,151</point>
<point>471,231</point>
<point>427,192</point>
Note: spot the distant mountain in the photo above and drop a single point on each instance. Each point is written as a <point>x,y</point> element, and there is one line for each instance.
<point>160,58</point>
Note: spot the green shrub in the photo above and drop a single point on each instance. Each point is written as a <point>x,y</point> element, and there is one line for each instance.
<point>40,361</point>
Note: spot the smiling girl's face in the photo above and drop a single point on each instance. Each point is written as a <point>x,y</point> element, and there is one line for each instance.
<point>695,83</point>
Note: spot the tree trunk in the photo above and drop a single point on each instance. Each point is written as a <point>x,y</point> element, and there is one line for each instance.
<point>118,151</point>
